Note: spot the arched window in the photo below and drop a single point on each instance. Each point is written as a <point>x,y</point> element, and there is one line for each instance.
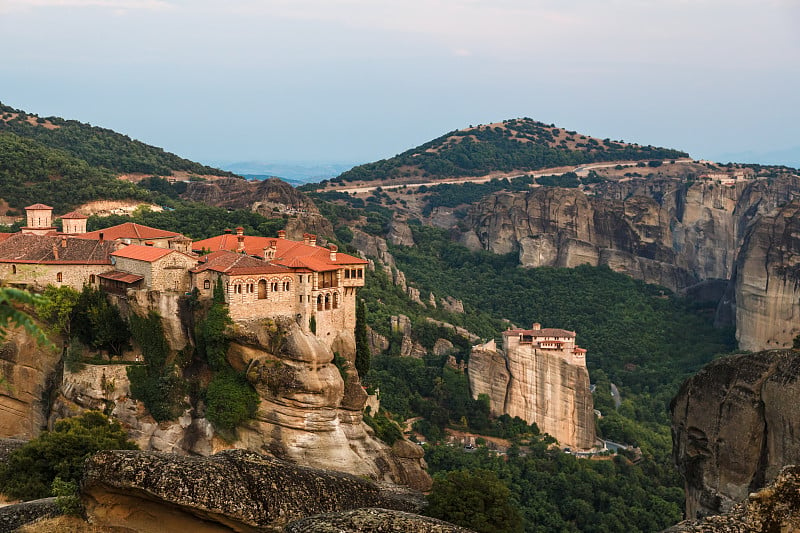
<point>319,303</point>
<point>336,300</point>
<point>327,301</point>
<point>207,284</point>
<point>287,285</point>
<point>59,277</point>
<point>238,288</point>
<point>262,289</point>
<point>274,286</point>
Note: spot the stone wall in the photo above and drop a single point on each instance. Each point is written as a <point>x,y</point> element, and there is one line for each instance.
<point>42,275</point>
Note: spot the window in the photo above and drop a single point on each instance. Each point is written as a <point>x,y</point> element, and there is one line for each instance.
<point>207,284</point>
<point>327,301</point>
<point>300,278</point>
<point>13,269</point>
<point>250,288</point>
<point>346,273</point>
<point>238,288</point>
<point>59,277</point>
<point>336,300</point>
<point>287,285</point>
<point>301,298</point>
<point>319,303</point>
<point>262,289</point>
<point>91,278</point>
<point>274,286</point>
<point>359,273</point>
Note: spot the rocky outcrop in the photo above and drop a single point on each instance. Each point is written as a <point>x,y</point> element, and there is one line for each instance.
<point>12,517</point>
<point>734,427</point>
<point>308,414</point>
<point>766,281</point>
<point>400,233</point>
<point>774,508</point>
<point>667,231</point>
<point>372,521</point>
<point>31,374</point>
<point>539,387</point>
<point>268,197</point>
<point>233,490</point>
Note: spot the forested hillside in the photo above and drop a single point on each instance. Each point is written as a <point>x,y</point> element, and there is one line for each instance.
<point>513,145</point>
<point>99,147</point>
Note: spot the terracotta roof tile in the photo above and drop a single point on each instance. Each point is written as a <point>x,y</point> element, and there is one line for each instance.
<point>129,230</point>
<point>124,277</point>
<point>142,253</point>
<point>73,215</point>
<point>30,248</point>
<point>38,206</point>
<point>233,263</point>
<point>544,332</point>
<point>291,254</point>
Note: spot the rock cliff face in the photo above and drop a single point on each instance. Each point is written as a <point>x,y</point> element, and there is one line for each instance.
<point>233,490</point>
<point>543,389</point>
<point>766,283</point>
<point>734,426</point>
<point>665,231</point>
<point>31,374</point>
<point>310,415</point>
<point>775,508</point>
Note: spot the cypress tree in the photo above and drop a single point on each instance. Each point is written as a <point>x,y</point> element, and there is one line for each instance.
<point>363,354</point>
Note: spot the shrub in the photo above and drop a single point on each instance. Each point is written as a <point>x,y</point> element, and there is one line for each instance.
<point>30,471</point>
<point>230,400</point>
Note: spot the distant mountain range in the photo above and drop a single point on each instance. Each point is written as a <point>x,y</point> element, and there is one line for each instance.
<point>295,172</point>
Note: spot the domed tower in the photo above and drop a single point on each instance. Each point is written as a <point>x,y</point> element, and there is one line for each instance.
<point>73,223</point>
<point>40,219</point>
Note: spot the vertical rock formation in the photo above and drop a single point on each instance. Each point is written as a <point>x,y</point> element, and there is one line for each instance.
<point>549,387</point>
<point>767,281</point>
<point>667,231</point>
<point>734,426</point>
<point>31,374</point>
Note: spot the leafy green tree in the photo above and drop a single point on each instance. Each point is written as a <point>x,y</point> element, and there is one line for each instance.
<point>57,308</point>
<point>474,499</point>
<point>230,400</point>
<point>98,324</point>
<point>30,470</point>
<point>212,336</point>
<point>363,355</point>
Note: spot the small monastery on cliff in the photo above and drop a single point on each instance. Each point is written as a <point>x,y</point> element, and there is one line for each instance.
<point>262,277</point>
<point>553,340</point>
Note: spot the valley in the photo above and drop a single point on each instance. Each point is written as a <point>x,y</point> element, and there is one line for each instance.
<point>495,285</point>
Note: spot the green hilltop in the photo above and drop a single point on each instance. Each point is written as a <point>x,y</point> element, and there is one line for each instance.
<point>99,147</point>
<point>65,163</point>
<point>512,145</point>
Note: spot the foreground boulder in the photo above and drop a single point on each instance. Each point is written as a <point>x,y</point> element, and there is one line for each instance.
<point>233,490</point>
<point>372,521</point>
<point>734,427</point>
<point>775,508</point>
<point>14,516</point>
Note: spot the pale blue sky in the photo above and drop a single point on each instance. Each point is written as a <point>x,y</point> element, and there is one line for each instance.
<point>360,80</point>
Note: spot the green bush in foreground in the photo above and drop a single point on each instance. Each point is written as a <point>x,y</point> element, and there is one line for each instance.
<point>30,471</point>
<point>230,400</point>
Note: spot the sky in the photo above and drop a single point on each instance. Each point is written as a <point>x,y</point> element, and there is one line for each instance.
<point>360,80</point>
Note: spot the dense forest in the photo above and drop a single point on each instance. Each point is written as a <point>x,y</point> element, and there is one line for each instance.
<point>520,144</point>
<point>551,490</point>
<point>98,147</point>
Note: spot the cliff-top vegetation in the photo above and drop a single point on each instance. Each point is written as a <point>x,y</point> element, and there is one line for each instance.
<point>513,145</point>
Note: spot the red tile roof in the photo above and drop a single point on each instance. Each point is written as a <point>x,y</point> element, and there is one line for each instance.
<point>73,214</point>
<point>31,248</point>
<point>124,277</point>
<point>236,264</point>
<point>129,230</point>
<point>291,254</point>
<point>4,236</point>
<point>544,332</point>
<point>142,253</point>
<point>38,206</point>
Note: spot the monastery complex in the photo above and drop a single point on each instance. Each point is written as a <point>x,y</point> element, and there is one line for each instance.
<point>262,277</point>
<point>552,340</point>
